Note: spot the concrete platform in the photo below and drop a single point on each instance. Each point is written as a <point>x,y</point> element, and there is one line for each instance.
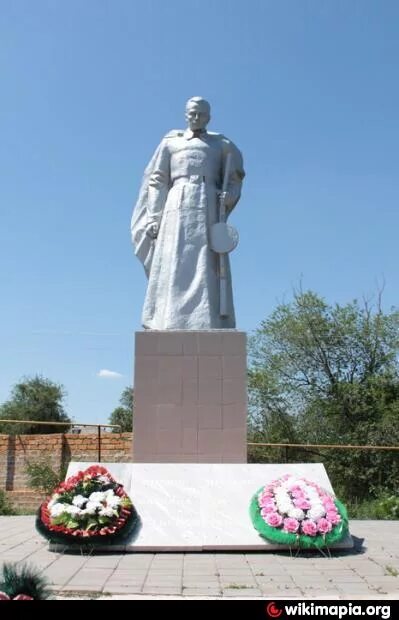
<point>201,507</point>
<point>369,571</point>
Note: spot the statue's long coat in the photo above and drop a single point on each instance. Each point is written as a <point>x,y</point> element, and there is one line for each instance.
<point>179,193</point>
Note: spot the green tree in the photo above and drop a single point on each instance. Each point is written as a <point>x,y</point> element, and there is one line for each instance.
<point>329,374</point>
<point>123,415</point>
<point>36,399</point>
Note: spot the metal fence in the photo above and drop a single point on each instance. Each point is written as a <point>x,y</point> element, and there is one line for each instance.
<point>306,446</point>
<point>286,446</point>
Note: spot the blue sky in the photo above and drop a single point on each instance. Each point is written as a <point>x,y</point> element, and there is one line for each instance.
<point>307,89</point>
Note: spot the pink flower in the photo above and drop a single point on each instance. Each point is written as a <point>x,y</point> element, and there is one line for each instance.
<point>266,511</point>
<point>268,490</point>
<point>291,525</point>
<point>302,503</point>
<point>266,502</point>
<point>328,503</point>
<point>298,494</point>
<point>309,527</point>
<point>333,517</point>
<point>266,495</point>
<point>274,519</point>
<point>19,597</point>
<point>324,526</point>
<point>296,489</point>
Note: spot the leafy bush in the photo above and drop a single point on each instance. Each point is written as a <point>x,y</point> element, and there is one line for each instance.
<point>388,507</point>
<point>383,507</point>
<point>43,477</point>
<point>5,506</point>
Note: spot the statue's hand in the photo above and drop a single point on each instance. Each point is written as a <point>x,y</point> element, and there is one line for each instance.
<point>152,230</point>
<point>226,197</point>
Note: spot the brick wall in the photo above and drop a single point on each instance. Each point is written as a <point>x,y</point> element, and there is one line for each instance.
<point>16,451</point>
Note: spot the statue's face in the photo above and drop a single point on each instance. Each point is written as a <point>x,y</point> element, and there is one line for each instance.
<point>197,116</point>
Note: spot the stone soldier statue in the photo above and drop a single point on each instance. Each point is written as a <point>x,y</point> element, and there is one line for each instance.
<point>192,176</point>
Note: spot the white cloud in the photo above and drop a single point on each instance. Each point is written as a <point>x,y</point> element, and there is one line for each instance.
<point>108,374</point>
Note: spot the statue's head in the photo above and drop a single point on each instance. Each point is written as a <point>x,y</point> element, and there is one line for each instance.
<point>198,113</point>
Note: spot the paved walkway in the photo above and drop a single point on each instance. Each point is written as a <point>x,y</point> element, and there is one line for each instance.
<point>370,571</point>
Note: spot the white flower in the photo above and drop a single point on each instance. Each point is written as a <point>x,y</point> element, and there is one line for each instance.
<point>92,507</point>
<point>293,482</point>
<point>316,503</point>
<point>296,513</point>
<point>74,511</point>
<point>281,489</point>
<point>107,512</point>
<point>114,501</point>
<point>57,509</point>
<point>53,500</point>
<point>97,497</point>
<point>79,501</point>
<point>284,506</point>
<point>316,513</point>
<point>103,479</point>
<point>282,496</point>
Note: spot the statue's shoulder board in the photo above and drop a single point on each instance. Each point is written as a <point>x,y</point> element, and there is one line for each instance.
<point>214,134</point>
<point>226,143</point>
<point>175,133</point>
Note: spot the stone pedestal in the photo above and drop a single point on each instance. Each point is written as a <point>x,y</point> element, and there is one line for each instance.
<point>190,397</point>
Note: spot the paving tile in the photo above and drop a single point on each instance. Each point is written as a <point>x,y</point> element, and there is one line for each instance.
<point>241,592</point>
<point>290,593</point>
<point>103,562</point>
<point>338,579</point>
<point>324,594</point>
<point>126,563</point>
<point>171,569</point>
<point>354,589</point>
<point>269,592</point>
<point>121,579</point>
<point>201,584</point>
<point>147,575</point>
<point>201,570</point>
<point>199,556</point>
<point>200,579</point>
<point>129,573</point>
<point>91,576</point>
<point>122,589</point>
<point>269,571</point>
<point>161,590</point>
<point>90,591</point>
<point>202,591</point>
<point>56,577</point>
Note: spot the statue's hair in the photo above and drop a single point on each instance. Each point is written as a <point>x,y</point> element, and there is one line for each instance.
<point>201,101</point>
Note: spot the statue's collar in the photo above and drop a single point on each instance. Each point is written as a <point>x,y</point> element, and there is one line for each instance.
<point>189,134</point>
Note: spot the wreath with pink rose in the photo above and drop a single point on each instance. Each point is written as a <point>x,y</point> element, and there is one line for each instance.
<point>294,511</point>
